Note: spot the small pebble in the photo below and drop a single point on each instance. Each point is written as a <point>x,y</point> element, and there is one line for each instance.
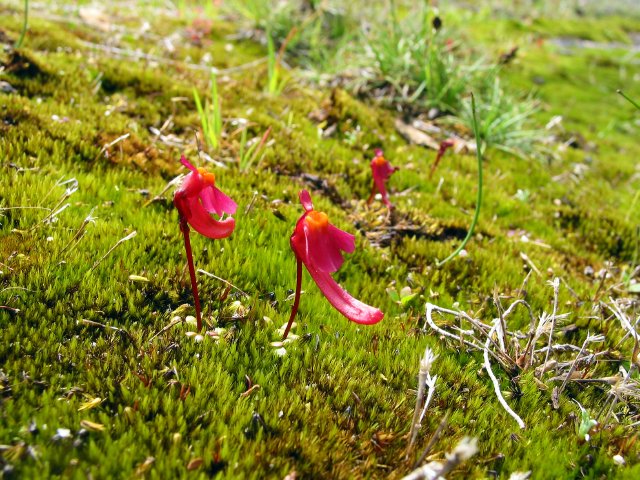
<point>196,336</point>
<point>5,87</point>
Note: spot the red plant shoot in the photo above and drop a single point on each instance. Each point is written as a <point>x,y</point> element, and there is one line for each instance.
<point>196,199</point>
<point>319,245</point>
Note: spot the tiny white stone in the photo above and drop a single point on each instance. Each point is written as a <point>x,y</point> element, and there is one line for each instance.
<point>284,326</point>
<point>49,239</point>
<point>618,460</point>
<point>63,433</point>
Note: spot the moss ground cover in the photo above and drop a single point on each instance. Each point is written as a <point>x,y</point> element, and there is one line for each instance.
<point>97,380</point>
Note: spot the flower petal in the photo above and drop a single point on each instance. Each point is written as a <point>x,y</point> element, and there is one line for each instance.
<point>186,163</point>
<point>341,239</point>
<point>321,251</point>
<point>298,241</point>
<point>214,201</point>
<point>382,171</point>
<point>353,309</point>
<point>305,199</point>
<point>227,205</point>
<point>190,186</point>
<point>203,223</point>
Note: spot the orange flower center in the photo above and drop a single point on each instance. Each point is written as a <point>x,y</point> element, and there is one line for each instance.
<point>379,161</point>
<point>317,220</point>
<point>207,177</point>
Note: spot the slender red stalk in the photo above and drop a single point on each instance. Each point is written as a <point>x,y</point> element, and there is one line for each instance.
<point>373,194</point>
<point>184,228</point>
<point>296,301</point>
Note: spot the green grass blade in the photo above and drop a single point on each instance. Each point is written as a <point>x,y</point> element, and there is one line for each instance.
<point>476,132</point>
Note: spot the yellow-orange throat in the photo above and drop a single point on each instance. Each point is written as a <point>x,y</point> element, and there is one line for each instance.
<point>207,177</point>
<point>379,161</point>
<point>317,220</point>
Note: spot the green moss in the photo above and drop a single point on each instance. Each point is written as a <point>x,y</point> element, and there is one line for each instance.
<point>339,404</point>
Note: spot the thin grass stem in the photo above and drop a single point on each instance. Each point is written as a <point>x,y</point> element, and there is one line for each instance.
<point>476,131</point>
<point>628,99</point>
<point>25,24</point>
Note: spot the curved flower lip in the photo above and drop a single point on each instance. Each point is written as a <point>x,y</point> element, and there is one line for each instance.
<point>198,197</point>
<point>319,247</point>
<point>351,308</point>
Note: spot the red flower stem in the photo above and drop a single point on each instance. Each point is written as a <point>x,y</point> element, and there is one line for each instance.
<point>184,228</point>
<point>373,194</point>
<point>296,301</point>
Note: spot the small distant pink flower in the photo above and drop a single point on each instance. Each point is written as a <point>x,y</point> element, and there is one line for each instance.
<point>444,146</point>
<point>382,171</point>
<point>198,197</point>
<point>319,245</point>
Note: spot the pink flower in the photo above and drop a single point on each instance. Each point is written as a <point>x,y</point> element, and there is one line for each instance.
<point>319,245</point>
<point>444,146</point>
<point>382,171</point>
<point>198,197</point>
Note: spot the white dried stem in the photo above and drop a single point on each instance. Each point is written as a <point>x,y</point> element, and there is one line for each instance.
<point>496,384</point>
<point>589,339</point>
<point>423,376</point>
<point>430,307</point>
<point>556,287</point>
<point>466,448</point>
<point>502,327</point>
<point>431,384</point>
<point>137,55</point>
<point>81,231</point>
<point>622,318</point>
<point>175,181</point>
<point>226,282</point>
<point>116,245</point>
<point>429,320</point>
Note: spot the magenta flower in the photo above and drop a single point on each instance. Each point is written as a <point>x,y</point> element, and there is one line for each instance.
<point>444,146</point>
<point>318,245</point>
<point>382,171</point>
<point>196,199</point>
